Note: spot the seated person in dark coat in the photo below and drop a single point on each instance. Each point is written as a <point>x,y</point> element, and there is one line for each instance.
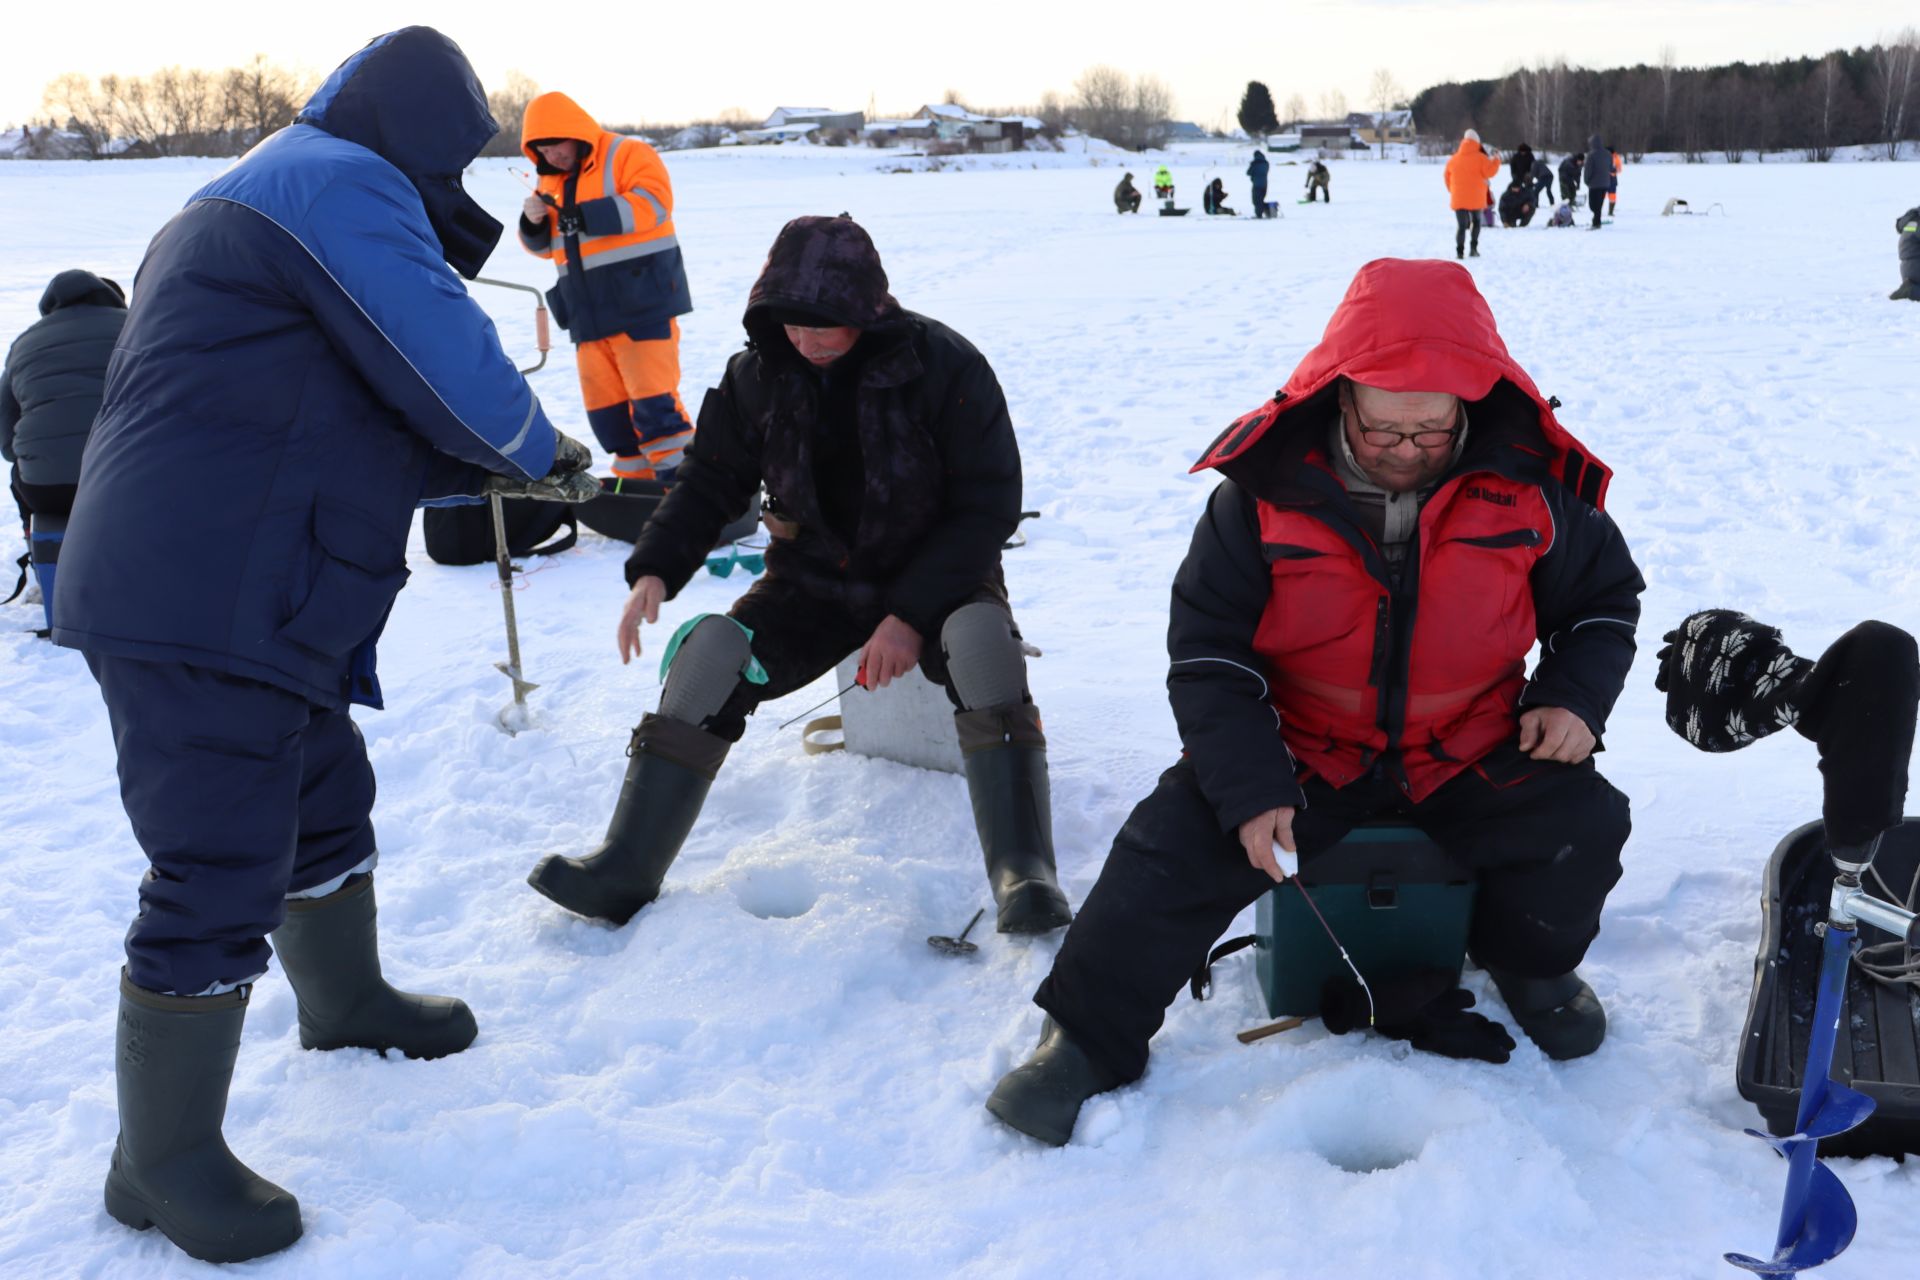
<point>1214,198</point>
<point>1349,639</point>
<point>1516,205</point>
<point>893,480</point>
<point>1908,225</point>
<point>1126,196</point>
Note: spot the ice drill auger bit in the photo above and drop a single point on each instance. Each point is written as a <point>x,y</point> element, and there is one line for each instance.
<point>1817,1217</point>
<point>515,717</point>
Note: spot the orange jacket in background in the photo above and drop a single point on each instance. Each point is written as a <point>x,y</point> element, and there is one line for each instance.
<point>622,270</point>
<point>1467,174</point>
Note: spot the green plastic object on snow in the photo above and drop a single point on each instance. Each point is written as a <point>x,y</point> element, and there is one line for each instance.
<point>1395,900</point>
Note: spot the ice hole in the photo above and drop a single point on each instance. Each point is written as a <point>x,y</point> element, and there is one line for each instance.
<point>776,893</point>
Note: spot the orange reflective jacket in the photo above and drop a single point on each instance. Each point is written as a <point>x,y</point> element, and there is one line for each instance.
<point>618,256</point>
<point>1467,173</point>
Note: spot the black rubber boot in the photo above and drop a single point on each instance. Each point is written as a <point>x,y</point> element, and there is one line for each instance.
<point>1904,292</point>
<point>671,766</point>
<point>330,949</point>
<point>173,1060</point>
<point>1561,1015</point>
<point>1006,763</point>
<point>1042,1096</point>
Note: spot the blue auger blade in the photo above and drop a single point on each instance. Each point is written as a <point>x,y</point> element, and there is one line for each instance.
<point>1817,1218</point>
<point>1826,1227</point>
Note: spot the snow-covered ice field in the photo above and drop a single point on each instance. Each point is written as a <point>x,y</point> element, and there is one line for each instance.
<point>768,1073</point>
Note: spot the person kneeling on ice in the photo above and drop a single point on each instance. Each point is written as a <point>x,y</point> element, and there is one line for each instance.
<point>1516,205</point>
<point>892,479</point>
<point>1908,225</point>
<point>1349,633</point>
<point>1319,182</point>
<point>1214,199</point>
<point>300,368</point>
<point>1126,196</point>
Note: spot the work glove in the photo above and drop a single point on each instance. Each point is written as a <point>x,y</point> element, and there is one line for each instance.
<point>569,456</point>
<point>1425,1008</point>
<point>1729,680</point>
<point>571,221</point>
<point>576,486</point>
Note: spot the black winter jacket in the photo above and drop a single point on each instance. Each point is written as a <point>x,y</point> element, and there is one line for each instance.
<point>1598,174</point>
<point>54,378</point>
<point>1570,172</point>
<point>940,466</point>
<point>1908,225</point>
<point>1224,586</point>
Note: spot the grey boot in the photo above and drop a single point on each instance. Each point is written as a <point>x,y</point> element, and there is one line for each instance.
<point>330,949</point>
<point>671,766</point>
<point>1042,1096</point>
<point>1905,292</point>
<point>173,1060</point>
<point>1006,762</point>
<point>1561,1015</point>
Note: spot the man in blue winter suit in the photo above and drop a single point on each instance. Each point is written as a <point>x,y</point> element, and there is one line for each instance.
<point>299,370</point>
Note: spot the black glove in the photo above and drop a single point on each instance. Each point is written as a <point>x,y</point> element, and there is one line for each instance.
<point>1729,680</point>
<point>569,456</point>
<point>1425,1008</point>
<point>570,221</point>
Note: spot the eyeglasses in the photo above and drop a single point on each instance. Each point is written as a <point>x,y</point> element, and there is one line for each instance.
<point>1387,438</point>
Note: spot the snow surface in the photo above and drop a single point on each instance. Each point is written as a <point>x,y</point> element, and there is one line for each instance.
<point>769,1073</point>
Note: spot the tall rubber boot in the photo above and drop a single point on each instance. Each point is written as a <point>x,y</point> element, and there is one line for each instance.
<point>1905,292</point>
<point>671,766</point>
<point>173,1060</point>
<point>330,949</point>
<point>1005,755</point>
<point>1042,1096</point>
<point>1562,1015</point>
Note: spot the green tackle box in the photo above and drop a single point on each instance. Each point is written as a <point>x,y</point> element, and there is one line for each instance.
<point>1392,897</point>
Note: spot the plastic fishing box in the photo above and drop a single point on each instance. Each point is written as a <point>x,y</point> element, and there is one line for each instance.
<point>1390,894</point>
<point>1878,1050</point>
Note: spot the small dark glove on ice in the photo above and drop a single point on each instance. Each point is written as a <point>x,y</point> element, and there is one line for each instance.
<point>1425,1008</point>
<point>1728,680</point>
<point>569,456</point>
<point>570,221</point>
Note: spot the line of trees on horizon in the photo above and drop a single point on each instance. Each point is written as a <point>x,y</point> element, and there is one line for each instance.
<point>1812,105</point>
<point>1859,97</point>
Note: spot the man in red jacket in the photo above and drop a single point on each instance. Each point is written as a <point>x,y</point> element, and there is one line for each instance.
<point>1349,636</point>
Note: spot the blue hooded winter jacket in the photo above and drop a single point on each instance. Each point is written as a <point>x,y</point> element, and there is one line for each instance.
<point>299,370</point>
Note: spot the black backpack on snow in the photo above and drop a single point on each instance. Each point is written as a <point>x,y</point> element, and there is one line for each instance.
<point>464,534</point>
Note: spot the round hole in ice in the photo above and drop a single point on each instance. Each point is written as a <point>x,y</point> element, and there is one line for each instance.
<point>776,893</point>
<point>1366,1118</point>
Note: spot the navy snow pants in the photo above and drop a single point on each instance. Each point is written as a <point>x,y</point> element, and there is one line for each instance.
<point>1544,839</point>
<point>239,793</point>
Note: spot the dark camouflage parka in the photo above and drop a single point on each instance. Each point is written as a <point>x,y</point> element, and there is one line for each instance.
<point>941,467</point>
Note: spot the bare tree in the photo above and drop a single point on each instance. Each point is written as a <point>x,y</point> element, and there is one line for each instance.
<point>1894,67</point>
<point>509,104</point>
<point>1668,65</point>
<point>188,105</point>
<point>1052,112</point>
<point>86,108</point>
<point>1333,106</point>
<point>1296,110</point>
<point>1384,93</point>
<point>1152,112</point>
<point>258,99</point>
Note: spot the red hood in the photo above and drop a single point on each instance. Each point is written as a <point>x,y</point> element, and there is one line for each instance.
<point>1413,325</point>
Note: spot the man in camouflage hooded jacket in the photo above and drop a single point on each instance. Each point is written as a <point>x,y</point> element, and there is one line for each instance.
<point>893,480</point>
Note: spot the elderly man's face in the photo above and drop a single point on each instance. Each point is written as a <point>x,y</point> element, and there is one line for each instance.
<point>820,347</point>
<point>1403,440</point>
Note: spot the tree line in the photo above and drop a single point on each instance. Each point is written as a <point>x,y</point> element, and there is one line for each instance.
<point>1813,106</point>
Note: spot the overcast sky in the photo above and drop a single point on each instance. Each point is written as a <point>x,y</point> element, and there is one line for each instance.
<point>657,63</point>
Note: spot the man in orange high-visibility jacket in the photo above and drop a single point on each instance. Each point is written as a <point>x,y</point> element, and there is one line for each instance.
<point>604,216</point>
